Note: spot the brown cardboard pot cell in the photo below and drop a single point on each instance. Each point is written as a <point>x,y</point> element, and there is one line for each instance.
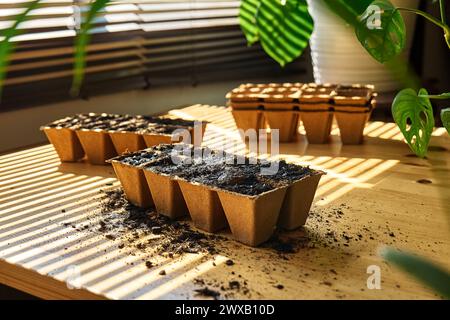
<point>127,141</point>
<point>317,125</point>
<point>166,195</point>
<point>351,126</point>
<point>134,184</point>
<point>352,121</point>
<point>298,200</point>
<point>153,139</point>
<point>252,219</point>
<point>66,143</point>
<point>248,119</point>
<point>204,206</point>
<point>97,144</point>
<point>285,121</point>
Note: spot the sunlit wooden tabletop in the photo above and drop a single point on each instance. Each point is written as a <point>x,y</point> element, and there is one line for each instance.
<point>383,194</point>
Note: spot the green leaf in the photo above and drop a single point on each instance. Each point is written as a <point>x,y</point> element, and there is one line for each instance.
<point>6,45</point>
<point>81,42</point>
<point>382,31</point>
<point>247,19</point>
<point>284,29</point>
<point>425,271</point>
<point>442,96</point>
<point>445,118</point>
<point>414,116</point>
<point>349,10</point>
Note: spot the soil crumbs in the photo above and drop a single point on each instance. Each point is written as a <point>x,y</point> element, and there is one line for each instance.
<point>144,233</point>
<point>164,236</point>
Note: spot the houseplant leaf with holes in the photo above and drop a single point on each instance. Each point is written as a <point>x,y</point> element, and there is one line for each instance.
<point>414,116</point>
<point>381,31</point>
<point>282,27</point>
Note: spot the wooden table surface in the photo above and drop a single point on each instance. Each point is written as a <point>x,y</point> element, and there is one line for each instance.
<point>369,198</point>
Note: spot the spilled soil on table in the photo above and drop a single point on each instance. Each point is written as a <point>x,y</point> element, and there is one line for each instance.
<point>169,236</point>
<point>145,234</point>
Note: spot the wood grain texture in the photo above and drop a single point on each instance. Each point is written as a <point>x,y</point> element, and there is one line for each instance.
<point>370,191</point>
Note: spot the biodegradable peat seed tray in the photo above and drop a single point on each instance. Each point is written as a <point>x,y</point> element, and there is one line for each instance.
<point>284,105</point>
<point>276,103</point>
<point>102,136</point>
<point>216,193</point>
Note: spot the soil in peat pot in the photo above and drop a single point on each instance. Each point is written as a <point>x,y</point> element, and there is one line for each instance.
<point>215,170</point>
<point>118,122</point>
<point>144,156</point>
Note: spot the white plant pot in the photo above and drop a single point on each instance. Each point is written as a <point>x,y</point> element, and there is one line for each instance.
<point>337,55</point>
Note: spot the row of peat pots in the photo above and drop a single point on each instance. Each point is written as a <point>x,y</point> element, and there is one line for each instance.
<point>217,192</point>
<point>283,105</point>
<point>99,137</point>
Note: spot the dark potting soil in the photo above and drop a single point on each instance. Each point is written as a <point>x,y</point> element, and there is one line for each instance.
<point>206,292</point>
<point>244,178</point>
<point>348,91</point>
<point>171,237</point>
<point>150,124</point>
<point>88,121</point>
<point>117,122</point>
<point>161,129</point>
<point>144,156</point>
<point>130,124</point>
<point>172,122</point>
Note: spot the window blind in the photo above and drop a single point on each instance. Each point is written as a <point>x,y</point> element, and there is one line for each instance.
<point>152,42</point>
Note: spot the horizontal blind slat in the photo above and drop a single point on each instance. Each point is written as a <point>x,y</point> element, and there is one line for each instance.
<point>168,39</point>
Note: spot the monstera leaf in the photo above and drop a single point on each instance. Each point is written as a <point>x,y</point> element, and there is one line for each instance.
<point>381,31</point>
<point>247,19</point>
<point>282,27</point>
<point>414,116</point>
<point>425,271</point>
<point>445,117</point>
